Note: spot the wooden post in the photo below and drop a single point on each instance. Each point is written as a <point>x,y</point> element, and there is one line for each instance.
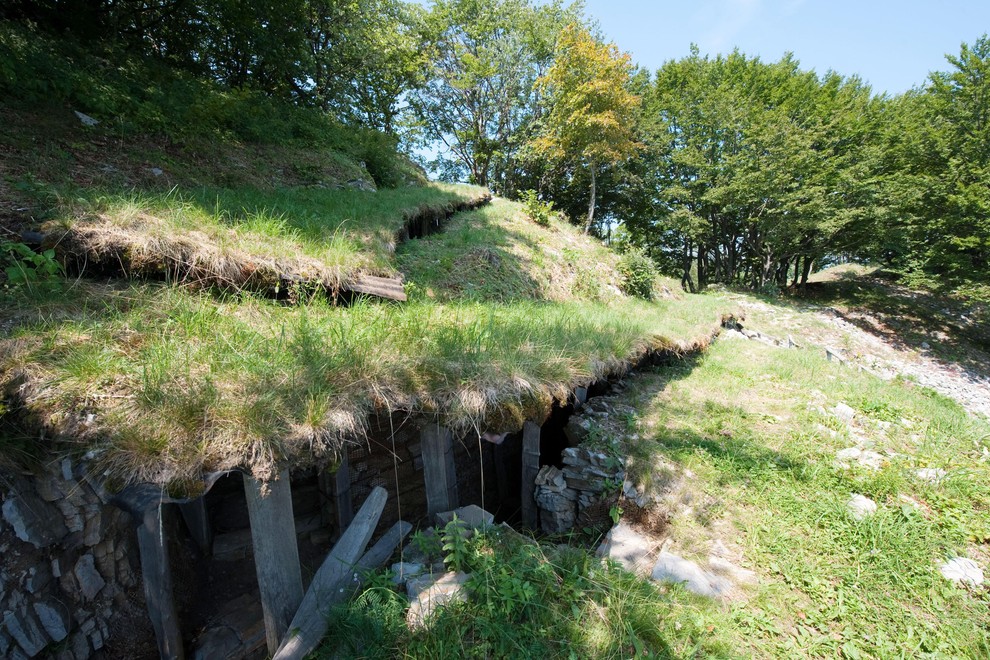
<point>310,621</point>
<point>157,578</point>
<point>276,555</point>
<point>438,469</point>
<point>335,496</point>
<point>198,522</point>
<point>530,468</point>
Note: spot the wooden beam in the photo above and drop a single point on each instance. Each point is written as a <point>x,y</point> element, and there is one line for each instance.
<point>530,468</point>
<point>198,523</point>
<point>310,623</point>
<point>276,554</point>
<point>381,287</point>
<point>439,472</point>
<point>157,578</point>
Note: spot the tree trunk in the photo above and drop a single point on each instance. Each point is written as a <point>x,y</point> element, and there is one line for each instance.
<point>591,204</point>
<point>806,271</point>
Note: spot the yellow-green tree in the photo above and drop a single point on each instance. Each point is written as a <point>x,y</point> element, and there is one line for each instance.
<point>591,112</point>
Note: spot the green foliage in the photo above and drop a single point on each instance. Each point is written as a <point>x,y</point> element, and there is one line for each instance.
<point>639,273</point>
<point>540,212</point>
<point>591,111</point>
<point>25,267</point>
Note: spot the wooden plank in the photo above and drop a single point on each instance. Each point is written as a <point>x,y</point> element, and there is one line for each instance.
<point>276,553</point>
<point>157,578</point>
<point>382,287</point>
<point>198,522</point>
<point>310,622</point>
<point>342,494</point>
<point>530,468</point>
<point>439,473</point>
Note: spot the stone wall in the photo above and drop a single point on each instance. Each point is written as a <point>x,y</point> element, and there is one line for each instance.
<point>69,570</point>
<point>565,496</point>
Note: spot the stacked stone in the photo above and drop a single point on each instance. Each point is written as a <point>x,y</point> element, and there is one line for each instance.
<point>562,495</point>
<point>557,502</point>
<point>65,553</point>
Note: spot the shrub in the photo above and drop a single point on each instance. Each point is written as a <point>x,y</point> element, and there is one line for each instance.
<point>639,273</point>
<point>540,212</point>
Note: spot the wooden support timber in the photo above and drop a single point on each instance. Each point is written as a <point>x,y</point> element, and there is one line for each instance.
<point>381,287</point>
<point>276,554</point>
<point>198,523</point>
<point>157,578</point>
<point>439,473</point>
<point>530,468</point>
<point>310,621</point>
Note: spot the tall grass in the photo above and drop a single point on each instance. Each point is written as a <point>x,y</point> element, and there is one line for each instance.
<point>182,382</point>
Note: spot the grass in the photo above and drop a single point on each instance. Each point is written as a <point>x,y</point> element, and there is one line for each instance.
<point>248,238</point>
<point>750,425</point>
<point>497,253</point>
<point>528,601</point>
<point>181,382</point>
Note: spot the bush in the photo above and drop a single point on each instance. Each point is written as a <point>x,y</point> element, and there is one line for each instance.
<point>639,273</point>
<point>540,212</point>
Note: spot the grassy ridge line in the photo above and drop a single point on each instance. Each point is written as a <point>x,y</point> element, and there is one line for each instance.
<point>250,239</point>
<point>179,382</point>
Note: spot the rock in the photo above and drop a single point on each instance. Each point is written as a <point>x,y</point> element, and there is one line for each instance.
<point>472,517</point>
<point>844,412</point>
<point>448,588</point>
<point>672,568</point>
<point>861,457</point>
<point>85,119</point>
<point>361,184</point>
<point>632,550</point>
<point>156,171</point>
<point>722,566</point>
<point>833,355</point>
<point>38,578</point>
<point>26,632</point>
<point>925,346</point>
<point>54,619</point>
<point>89,579</point>
<point>93,528</point>
<point>962,570</point>
<point>931,475</point>
<point>404,571</point>
<point>34,520</point>
<point>861,507</point>
<point>577,429</point>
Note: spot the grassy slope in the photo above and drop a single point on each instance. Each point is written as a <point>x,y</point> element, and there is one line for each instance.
<point>752,426</point>
<point>179,381</point>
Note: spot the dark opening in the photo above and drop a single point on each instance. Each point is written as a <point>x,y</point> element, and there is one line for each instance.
<point>553,442</point>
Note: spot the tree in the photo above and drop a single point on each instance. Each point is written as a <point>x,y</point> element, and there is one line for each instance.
<point>591,110</point>
<point>479,90</point>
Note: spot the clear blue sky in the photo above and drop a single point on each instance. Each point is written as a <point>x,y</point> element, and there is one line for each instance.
<point>892,45</point>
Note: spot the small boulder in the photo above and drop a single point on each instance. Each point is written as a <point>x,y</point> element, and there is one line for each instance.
<point>447,589</point>
<point>860,507</point>
<point>85,119</point>
<point>631,549</point>
<point>931,475</point>
<point>34,521</point>
<point>844,412</point>
<point>962,570</point>
<point>672,568</point>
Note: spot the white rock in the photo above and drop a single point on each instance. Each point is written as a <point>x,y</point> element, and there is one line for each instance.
<point>861,507</point>
<point>931,475</point>
<point>86,119</point>
<point>963,570</point>
<point>631,549</point>
<point>728,569</point>
<point>156,171</point>
<point>671,568</point>
<point>844,412</point>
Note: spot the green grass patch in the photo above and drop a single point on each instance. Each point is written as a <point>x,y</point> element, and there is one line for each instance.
<point>752,423</point>
<point>181,382</point>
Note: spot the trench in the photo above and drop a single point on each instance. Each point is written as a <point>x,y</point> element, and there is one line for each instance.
<point>217,593</point>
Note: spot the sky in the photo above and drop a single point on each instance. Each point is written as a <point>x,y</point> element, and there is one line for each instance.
<point>891,45</point>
